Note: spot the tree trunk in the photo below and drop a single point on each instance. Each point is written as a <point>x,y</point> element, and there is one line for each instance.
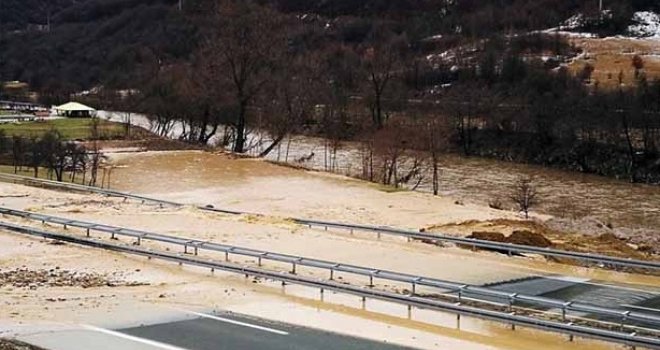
<point>239,143</point>
<point>274,144</point>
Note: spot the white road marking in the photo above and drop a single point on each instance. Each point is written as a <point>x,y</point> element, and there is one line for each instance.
<point>239,323</point>
<point>153,343</point>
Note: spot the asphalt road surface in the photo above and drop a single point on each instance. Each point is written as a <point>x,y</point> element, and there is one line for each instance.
<point>205,332</point>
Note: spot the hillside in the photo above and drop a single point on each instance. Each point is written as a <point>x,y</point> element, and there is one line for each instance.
<point>111,42</point>
<point>66,46</point>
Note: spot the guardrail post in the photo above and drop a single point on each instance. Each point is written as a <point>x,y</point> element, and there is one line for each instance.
<point>293,269</point>
<point>138,240</point>
<point>351,232</point>
<point>563,310</point>
<point>371,281</point>
<point>378,234</point>
<point>413,288</point>
<point>409,311</point>
<point>65,226</point>
<point>196,250</point>
<point>226,256</point>
<point>623,319</point>
<point>326,228</point>
<point>185,249</point>
<point>460,293</point>
<point>332,274</point>
<point>512,298</point>
<point>88,232</point>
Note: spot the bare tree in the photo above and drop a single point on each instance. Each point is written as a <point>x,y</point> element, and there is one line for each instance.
<point>524,194</point>
<point>380,62</point>
<point>247,47</point>
<point>438,143</point>
<point>291,99</point>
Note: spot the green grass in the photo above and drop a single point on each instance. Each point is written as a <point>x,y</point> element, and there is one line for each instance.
<point>71,129</point>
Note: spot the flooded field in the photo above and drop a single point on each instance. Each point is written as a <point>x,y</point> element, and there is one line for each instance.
<point>477,180</point>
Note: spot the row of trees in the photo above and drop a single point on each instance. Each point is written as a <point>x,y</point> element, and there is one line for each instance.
<point>52,153</point>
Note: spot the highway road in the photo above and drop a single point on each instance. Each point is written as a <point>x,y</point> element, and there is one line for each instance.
<point>203,332</point>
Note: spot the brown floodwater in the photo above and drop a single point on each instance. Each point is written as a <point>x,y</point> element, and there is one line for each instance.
<point>563,193</point>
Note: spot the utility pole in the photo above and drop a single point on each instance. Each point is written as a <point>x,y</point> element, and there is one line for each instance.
<point>600,6</point>
<point>181,5</point>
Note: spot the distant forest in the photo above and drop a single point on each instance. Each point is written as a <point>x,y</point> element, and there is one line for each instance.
<point>470,76</point>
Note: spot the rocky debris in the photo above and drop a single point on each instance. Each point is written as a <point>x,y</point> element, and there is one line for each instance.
<point>8,344</point>
<point>56,277</point>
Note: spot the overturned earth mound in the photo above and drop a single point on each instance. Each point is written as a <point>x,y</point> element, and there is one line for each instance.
<point>529,238</point>
<point>522,237</point>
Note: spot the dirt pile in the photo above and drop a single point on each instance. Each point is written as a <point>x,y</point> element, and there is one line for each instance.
<point>529,238</point>
<point>607,243</point>
<point>33,279</point>
<point>488,236</point>
<point>522,237</point>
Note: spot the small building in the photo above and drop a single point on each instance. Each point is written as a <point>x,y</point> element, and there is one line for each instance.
<point>75,110</point>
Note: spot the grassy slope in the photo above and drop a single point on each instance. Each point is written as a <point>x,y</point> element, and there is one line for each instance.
<point>610,56</point>
<point>71,129</point>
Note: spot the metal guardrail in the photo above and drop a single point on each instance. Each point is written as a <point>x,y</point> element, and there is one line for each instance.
<point>505,247</point>
<point>497,246</point>
<point>630,339</point>
<point>464,291</point>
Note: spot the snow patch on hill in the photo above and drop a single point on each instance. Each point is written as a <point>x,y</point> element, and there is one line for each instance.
<point>647,24</point>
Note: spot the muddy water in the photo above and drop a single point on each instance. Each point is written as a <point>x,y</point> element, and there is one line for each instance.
<point>564,194</point>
